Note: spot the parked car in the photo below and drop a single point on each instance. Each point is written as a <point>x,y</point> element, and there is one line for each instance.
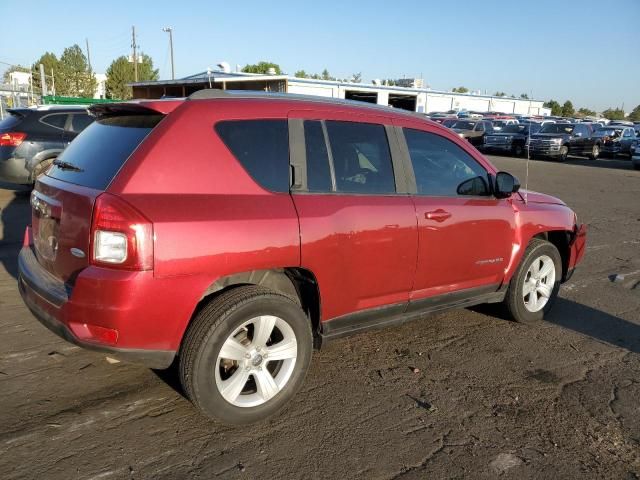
<point>501,123</point>
<point>288,222</point>
<point>616,139</point>
<point>473,130</point>
<point>559,140</point>
<point>511,139</point>
<point>635,158</point>
<point>32,138</point>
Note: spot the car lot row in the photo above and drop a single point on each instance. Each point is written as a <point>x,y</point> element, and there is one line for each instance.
<point>547,138</point>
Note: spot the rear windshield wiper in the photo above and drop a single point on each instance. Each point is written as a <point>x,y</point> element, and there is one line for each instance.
<point>67,166</point>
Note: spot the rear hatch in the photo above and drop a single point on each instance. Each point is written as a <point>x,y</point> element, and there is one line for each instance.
<point>63,199</point>
<point>10,134</point>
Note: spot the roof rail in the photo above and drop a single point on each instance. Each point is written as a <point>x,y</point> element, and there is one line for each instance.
<point>208,93</point>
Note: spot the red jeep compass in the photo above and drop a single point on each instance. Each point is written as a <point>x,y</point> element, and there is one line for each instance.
<point>231,232</point>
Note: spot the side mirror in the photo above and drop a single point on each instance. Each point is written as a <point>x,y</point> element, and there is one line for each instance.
<point>505,185</point>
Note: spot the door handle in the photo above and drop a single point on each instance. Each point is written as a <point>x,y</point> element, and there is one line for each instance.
<point>437,215</point>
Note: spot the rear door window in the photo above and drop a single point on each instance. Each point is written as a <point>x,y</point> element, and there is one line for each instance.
<point>318,169</point>
<point>262,147</point>
<point>101,149</point>
<point>361,157</point>
<point>80,121</point>
<point>55,120</point>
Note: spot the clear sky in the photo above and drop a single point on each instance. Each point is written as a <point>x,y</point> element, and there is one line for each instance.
<point>587,51</point>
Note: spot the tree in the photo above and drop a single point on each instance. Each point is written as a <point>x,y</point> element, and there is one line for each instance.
<point>613,113</point>
<point>262,67</point>
<point>635,114</point>
<point>585,112</point>
<point>76,79</point>
<point>325,75</point>
<point>51,64</point>
<point>499,94</point>
<point>556,109</point>
<point>460,90</point>
<point>567,109</point>
<point>524,96</point>
<point>357,77</point>
<point>121,72</point>
<point>300,74</point>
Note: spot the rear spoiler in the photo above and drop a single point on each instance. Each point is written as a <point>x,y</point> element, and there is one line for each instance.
<point>19,111</point>
<point>151,107</point>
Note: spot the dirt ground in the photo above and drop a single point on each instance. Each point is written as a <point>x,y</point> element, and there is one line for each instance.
<point>457,395</point>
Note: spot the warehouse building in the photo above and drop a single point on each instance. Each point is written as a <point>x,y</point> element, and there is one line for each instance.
<point>421,100</point>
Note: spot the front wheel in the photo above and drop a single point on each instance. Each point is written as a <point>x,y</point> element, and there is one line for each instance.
<point>245,355</point>
<point>535,285</point>
<point>517,150</point>
<point>564,153</point>
<point>595,152</point>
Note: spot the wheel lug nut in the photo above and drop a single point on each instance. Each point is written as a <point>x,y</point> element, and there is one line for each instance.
<point>247,355</point>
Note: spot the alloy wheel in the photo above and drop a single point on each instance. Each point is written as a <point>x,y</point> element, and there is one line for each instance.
<point>538,283</point>
<point>256,361</point>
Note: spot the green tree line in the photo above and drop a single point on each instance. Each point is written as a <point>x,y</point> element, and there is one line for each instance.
<point>72,76</point>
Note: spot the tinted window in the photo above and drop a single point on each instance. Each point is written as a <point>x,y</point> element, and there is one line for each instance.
<point>102,148</point>
<point>56,120</point>
<point>361,158</point>
<point>80,121</point>
<point>262,147</point>
<point>318,172</point>
<point>442,168</point>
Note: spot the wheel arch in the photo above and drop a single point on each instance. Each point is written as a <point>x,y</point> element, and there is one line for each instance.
<point>560,239</point>
<point>297,283</point>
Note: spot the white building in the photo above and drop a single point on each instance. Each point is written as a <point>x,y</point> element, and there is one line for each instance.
<point>101,87</point>
<point>414,99</point>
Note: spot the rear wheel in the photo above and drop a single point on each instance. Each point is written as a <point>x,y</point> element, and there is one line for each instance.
<point>535,285</point>
<point>245,355</point>
<point>41,168</point>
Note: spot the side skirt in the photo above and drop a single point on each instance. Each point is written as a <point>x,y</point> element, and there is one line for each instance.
<point>405,312</point>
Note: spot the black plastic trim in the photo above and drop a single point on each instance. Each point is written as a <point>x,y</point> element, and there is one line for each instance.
<point>400,313</point>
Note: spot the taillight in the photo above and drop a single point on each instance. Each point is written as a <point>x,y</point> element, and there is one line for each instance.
<point>12,139</point>
<point>121,237</point>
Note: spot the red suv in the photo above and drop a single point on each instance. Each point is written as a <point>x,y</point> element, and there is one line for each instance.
<point>232,232</point>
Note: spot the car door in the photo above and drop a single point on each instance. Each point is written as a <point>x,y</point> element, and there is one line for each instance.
<point>465,235</point>
<point>357,222</point>
<point>76,123</point>
<point>627,139</point>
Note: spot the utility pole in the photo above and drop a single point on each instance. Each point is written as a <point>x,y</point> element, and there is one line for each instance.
<point>53,83</point>
<point>88,54</point>
<point>170,31</point>
<point>43,80</point>
<point>135,53</point>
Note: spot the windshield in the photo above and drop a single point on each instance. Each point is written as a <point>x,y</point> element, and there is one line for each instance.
<point>449,122</point>
<point>607,132</point>
<point>464,125</point>
<point>564,128</point>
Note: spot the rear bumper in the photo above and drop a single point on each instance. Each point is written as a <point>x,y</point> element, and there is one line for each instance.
<point>52,303</point>
<point>12,170</point>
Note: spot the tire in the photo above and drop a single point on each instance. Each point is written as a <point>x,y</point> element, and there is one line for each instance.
<point>595,152</point>
<point>564,153</point>
<point>517,303</point>
<point>233,320</point>
<point>517,150</point>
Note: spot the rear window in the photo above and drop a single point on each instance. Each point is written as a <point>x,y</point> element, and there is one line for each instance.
<point>103,148</point>
<point>262,147</point>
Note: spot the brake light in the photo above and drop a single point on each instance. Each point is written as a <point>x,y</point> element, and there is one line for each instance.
<point>121,237</point>
<point>12,139</point>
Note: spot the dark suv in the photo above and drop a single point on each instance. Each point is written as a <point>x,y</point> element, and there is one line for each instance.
<point>233,232</point>
<point>32,138</point>
<point>559,140</point>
